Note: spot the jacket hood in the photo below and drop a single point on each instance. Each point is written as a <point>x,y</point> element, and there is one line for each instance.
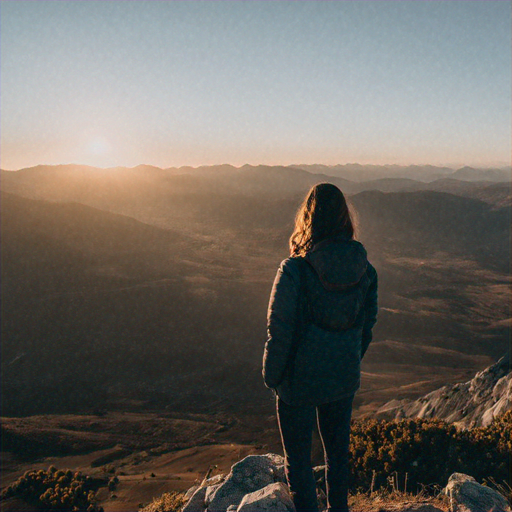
<point>339,263</point>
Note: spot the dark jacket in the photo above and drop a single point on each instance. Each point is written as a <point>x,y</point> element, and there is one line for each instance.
<point>320,317</point>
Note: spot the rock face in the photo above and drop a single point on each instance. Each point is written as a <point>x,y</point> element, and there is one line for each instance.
<point>470,404</point>
<point>249,475</point>
<point>467,495</point>
<point>254,483</point>
<point>196,502</point>
<point>272,498</point>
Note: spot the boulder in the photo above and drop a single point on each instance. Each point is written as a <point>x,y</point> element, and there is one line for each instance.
<point>201,499</point>
<point>272,498</point>
<point>214,480</point>
<point>467,495</point>
<point>196,503</point>
<point>190,492</point>
<point>248,475</point>
<point>278,461</point>
<point>502,397</point>
<point>210,493</point>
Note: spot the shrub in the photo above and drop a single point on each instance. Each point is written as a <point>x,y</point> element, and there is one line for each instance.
<point>168,502</point>
<point>56,490</point>
<point>427,452</point>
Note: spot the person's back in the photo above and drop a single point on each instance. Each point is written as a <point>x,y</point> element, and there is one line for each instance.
<point>321,313</point>
<point>338,285</point>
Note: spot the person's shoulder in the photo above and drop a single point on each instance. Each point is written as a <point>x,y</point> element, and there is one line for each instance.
<point>359,246</point>
<point>291,265</point>
<point>292,262</point>
<point>369,267</point>
<point>371,272</point>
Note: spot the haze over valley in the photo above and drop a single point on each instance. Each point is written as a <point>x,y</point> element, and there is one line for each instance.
<point>146,288</point>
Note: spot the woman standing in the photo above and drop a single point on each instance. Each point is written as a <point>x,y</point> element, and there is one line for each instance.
<point>322,309</point>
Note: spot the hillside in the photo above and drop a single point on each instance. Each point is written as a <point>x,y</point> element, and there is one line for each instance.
<point>92,298</point>
<point>496,194</point>
<point>427,222</point>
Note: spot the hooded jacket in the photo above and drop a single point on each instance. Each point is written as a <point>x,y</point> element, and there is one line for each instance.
<point>319,323</point>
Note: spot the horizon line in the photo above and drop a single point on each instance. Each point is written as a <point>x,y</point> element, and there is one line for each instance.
<point>500,166</point>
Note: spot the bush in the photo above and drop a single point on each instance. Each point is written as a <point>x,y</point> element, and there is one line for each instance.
<point>427,452</point>
<point>56,490</point>
<point>168,502</point>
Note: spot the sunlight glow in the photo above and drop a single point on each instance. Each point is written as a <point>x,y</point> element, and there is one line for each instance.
<point>99,146</point>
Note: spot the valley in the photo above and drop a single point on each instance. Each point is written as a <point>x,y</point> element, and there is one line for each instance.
<point>134,305</point>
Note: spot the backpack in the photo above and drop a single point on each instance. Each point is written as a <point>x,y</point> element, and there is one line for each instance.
<point>324,359</point>
<point>332,307</point>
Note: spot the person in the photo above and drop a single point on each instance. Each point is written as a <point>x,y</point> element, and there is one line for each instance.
<point>322,309</point>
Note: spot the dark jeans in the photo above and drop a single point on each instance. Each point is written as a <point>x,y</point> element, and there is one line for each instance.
<point>296,426</point>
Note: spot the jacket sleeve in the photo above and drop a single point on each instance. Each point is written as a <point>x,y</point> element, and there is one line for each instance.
<point>281,323</point>
<point>370,310</point>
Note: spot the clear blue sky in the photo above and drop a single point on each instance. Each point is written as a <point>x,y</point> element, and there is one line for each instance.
<point>174,83</point>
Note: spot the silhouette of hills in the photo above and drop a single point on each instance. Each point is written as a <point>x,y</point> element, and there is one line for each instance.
<point>497,194</point>
<point>424,173</point>
<point>472,174</point>
<point>93,185</point>
<point>359,173</point>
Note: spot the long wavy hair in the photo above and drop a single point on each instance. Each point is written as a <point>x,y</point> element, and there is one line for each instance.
<point>323,214</point>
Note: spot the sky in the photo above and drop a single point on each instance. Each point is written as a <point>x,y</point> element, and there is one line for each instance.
<point>276,82</point>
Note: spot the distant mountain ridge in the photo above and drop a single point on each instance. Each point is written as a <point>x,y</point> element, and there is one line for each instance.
<point>92,185</point>
<point>352,171</point>
<point>424,173</point>
<point>472,174</point>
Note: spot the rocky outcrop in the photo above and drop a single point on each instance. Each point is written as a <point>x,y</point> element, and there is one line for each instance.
<point>467,495</point>
<point>197,501</point>
<point>254,483</point>
<point>272,498</point>
<point>470,404</point>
